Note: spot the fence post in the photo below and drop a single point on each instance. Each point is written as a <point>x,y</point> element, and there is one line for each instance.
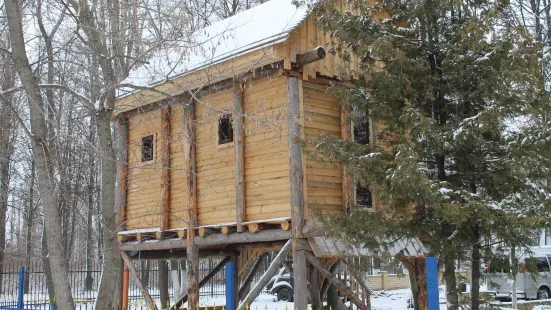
<point>230,285</point>
<point>432,283</point>
<point>20,289</point>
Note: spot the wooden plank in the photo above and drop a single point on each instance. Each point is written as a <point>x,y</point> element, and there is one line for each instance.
<point>145,293</point>
<point>165,166</point>
<point>239,143</point>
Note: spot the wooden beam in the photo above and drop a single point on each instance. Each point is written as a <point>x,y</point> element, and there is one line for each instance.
<point>226,230</point>
<point>178,254</point>
<point>263,281</point>
<point>297,191</point>
<point>254,227</point>
<point>347,185</point>
<point>268,235</point>
<point>333,279</point>
<point>165,166</point>
<point>191,189</point>
<point>180,302</point>
<point>286,225</point>
<point>239,143</point>
<point>311,56</point>
<point>148,300</point>
<point>122,172</point>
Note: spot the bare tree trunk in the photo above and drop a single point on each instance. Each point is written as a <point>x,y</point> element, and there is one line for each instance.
<point>6,141</point>
<point>47,270</point>
<point>41,155</point>
<point>89,281</point>
<point>28,237</point>
<point>111,263</point>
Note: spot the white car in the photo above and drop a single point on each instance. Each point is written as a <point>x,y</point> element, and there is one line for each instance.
<point>530,285</point>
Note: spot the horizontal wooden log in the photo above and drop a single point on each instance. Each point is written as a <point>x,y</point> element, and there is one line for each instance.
<point>228,229</point>
<point>179,254</point>
<point>312,56</point>
<point>286,225</point>
<point>254,227</point>
<point>212,240</point>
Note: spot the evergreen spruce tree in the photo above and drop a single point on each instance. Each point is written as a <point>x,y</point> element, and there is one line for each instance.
<point>459,158</point>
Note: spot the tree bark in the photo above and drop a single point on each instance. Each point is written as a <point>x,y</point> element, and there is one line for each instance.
<point>315,289</point>
<point>28,239</point>
<point>41,155</point>
<point>475,268</point>
<point>451,282</point>
<point>111,263</point>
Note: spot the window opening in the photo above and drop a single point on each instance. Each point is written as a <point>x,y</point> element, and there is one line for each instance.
<point>362,135</point>
<point>225,129</point>
<point>147,148</point>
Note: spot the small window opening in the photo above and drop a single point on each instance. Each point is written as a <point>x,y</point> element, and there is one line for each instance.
<point>147,148</point>
<point>362,132</point>
<point>364,197</point>
<point>225,129</point>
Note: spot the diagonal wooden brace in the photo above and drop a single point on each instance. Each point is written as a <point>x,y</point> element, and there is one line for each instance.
<point>331,277</point>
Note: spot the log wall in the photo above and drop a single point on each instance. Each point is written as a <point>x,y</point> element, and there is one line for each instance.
<point>266,150</point>
<point>144,179</point>
<point>323,179</point>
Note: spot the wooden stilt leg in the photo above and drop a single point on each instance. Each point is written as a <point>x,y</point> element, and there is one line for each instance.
<point>315,289</point>
<point>125,284</point>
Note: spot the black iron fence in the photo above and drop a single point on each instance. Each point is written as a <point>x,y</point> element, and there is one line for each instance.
<point>85,281</point>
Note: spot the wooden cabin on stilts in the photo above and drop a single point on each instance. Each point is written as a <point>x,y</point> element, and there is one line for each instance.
<point>210,160</point>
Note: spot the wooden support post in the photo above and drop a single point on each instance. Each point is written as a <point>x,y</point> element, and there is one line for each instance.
<point>297,192</point>
<point>315,289</point>
<point>180,302</point>
<point>148,300</point>
<point>165,166</point>
<point>270,272</point>
<point>416,267</point>
<point>122,172</point>
<point>191,189</point>
<point>239,137</point>
<point>347,185</point>
<point>333,279</point>
<point>125,286</point>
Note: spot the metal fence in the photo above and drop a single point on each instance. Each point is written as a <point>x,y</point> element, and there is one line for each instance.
<point>85,281</point>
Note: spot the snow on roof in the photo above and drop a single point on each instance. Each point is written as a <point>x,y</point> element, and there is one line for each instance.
<point>263,25</point>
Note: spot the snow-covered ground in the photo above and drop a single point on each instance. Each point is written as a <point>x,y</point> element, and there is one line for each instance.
<point>381,300</point>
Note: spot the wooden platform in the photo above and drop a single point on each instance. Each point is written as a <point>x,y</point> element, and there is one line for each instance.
<point>139,235</point>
